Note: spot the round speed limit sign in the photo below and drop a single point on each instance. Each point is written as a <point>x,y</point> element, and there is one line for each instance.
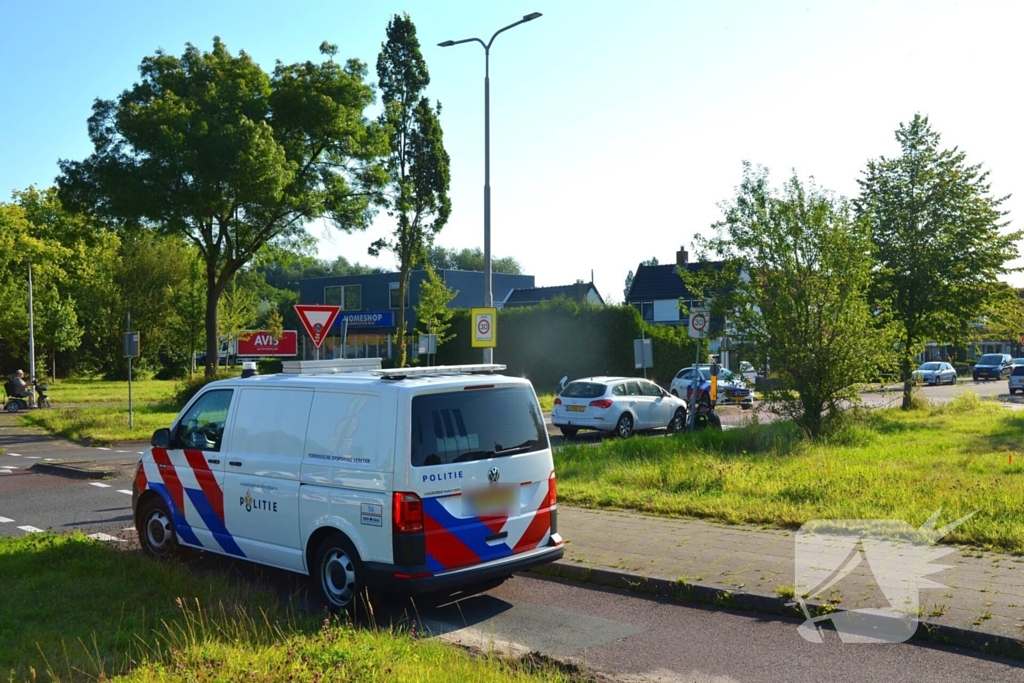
<point>700,321</point>
<point>483,326</point>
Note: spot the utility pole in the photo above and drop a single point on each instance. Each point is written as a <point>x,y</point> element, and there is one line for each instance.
<point>31,341</point>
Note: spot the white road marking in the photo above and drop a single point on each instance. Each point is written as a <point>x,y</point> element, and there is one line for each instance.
<point>10,467</point>
<point>99,484</point>
<point>14,455</point>
<point>30,529</point>
<point>101,448</point>
<point>105,537</point>
<point>122,451</point>
<point>5,471</point>
<point>48,459</point>
<point>128,528</point>
<point>124,491</point>
<point>139,452</point>
<point>5,520</point>
<point>32,457</point>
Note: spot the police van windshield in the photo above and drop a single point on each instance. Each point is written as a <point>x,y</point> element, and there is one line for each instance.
<point>475,424</point>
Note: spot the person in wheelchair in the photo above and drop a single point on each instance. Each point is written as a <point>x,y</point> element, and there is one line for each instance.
<point>16,386</point>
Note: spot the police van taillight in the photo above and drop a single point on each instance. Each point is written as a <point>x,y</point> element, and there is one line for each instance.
<point>552,490</point>
<point>406,513</point>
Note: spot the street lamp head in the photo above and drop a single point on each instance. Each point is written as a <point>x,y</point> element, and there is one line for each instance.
<point>447,43</point>
<point>532,15</point>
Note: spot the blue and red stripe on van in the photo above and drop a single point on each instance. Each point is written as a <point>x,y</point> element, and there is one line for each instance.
<point>453,542</point>
<point>207,500</point>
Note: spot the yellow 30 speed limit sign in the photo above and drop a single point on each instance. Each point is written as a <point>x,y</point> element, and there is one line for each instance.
<point>484,333</point>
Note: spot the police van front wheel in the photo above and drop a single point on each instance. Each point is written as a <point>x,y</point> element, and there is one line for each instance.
<point>156,531</point>
<point>338,573</point>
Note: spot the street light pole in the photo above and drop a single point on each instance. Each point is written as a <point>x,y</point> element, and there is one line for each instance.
<point>31,341</point>
<point>488,293</point>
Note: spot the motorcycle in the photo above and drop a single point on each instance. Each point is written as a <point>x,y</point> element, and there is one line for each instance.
<point>704,415</point>
<point>16,403</point>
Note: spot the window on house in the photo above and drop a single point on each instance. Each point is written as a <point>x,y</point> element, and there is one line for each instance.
<point>647,310</point>
<point>349,297</point>
<point>393,295</point>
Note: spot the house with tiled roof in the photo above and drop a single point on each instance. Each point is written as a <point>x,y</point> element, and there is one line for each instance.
<point>580,292</point>
<point>657,291</point>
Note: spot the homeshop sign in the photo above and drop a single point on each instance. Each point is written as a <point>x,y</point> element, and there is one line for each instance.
<point>366,319</point>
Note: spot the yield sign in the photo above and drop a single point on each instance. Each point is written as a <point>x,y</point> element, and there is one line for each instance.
<point>317,320</point>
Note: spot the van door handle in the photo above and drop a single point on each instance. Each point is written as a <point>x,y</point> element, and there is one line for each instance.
<point>235,463</point>
<point>213,461</point>
<point>496,537</point>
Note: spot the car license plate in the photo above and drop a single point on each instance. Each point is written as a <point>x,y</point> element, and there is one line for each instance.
<point>575,409</point>
<point>492,500</point>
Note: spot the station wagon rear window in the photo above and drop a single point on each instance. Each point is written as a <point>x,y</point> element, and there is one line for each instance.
<point>584,390</point>
<point>468,425</point>
<point>1018,371</point>
<point>990,359</point>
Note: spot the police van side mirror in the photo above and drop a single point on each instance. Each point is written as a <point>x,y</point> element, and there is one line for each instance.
<point>161,438</point>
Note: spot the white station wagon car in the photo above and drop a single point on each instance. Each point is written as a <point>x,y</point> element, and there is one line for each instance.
<point>407,481</point>
<point>616,404</point>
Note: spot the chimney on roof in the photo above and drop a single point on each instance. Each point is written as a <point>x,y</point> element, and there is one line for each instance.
<point>682,257</point>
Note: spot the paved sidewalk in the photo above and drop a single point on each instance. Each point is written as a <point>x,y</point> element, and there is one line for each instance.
<point>983,592</point>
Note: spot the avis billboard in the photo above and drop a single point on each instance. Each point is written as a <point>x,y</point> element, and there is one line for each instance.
<point>262,343</point>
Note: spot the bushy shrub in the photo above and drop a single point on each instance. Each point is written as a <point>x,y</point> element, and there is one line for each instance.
<point>268,366</point>
<point>188,388</point>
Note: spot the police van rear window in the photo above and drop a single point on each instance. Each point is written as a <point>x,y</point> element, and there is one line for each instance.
<point>462,426</point>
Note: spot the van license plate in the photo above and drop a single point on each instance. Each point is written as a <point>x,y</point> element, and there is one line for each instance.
<point>575,409</point>
<point>493,500</point>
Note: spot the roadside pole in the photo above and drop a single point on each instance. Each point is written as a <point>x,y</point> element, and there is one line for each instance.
<point>131,405</point>
<point>31,342</point>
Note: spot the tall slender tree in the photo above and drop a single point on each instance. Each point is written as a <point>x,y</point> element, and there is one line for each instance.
<point>211,148</point>
<point>418,165</point>
<point>938,237</point>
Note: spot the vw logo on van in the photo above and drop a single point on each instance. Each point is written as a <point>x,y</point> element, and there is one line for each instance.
<point>493,475</point>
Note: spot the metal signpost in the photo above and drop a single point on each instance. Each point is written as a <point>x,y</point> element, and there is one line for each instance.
<point>131,350</point>
<point>643,354</point>
<point>698,329</point>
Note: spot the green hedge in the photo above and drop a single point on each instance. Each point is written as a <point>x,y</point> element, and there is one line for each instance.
<point>547,341</point>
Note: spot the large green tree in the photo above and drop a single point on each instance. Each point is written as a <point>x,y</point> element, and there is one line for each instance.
<point>794,281</point>
<point>440,258</point>
<point>418,165</point>
<point>938,237</point>
<point>209,147</point>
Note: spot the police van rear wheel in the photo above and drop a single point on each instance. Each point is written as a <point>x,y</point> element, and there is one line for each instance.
<point>338,573</point>
<point>156,531</point>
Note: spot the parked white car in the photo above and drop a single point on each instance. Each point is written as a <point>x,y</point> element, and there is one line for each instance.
<point>747,371</point>
<point>935,373</point>
<point>1016,380</point>
<point>616,404</point>
<point>732,388</point>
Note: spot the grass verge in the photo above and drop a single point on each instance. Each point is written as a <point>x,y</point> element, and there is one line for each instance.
<point>91,390</point>
<point>77,610</point>
<point>102,425</point>
<point>885,464</point>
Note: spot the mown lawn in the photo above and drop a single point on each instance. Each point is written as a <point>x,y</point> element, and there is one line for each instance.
<point>103,424</point>
<point>886,464</point>
<point>92,390</point>
<point>74,609</point>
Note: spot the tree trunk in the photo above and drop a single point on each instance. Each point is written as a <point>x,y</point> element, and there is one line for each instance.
<point>212,336</point>
<point>905,376</point>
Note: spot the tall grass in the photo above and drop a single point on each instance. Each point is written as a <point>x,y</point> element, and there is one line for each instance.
<point>74,609</point>
<point>882,464</point>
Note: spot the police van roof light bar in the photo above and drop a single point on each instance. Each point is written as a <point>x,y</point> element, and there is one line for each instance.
<point>402,373</point>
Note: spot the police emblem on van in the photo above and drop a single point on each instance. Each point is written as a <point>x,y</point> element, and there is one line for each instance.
<point>493,475</point>
<point>251,503</point>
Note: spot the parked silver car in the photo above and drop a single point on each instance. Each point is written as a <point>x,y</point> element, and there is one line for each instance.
<point>935,372</point>
<point>1016,380</point>
<point>616,404</point>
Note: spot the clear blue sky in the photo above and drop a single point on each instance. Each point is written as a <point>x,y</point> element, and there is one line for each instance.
<point>616,127</point>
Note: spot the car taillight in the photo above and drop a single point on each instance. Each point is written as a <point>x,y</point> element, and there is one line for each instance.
<point>558,401</point>
<point>406,513</point>
<point>602,403</point>
<point>552,490</point>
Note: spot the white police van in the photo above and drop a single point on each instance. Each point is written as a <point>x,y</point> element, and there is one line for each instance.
<point>408,480</point>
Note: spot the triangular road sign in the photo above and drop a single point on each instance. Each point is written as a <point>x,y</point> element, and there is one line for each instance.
<point>317,320</point>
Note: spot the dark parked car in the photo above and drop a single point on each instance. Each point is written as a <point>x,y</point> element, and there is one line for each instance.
<point>993,366</point>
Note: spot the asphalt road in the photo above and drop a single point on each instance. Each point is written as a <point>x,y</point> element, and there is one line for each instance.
<point>633,637</point>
